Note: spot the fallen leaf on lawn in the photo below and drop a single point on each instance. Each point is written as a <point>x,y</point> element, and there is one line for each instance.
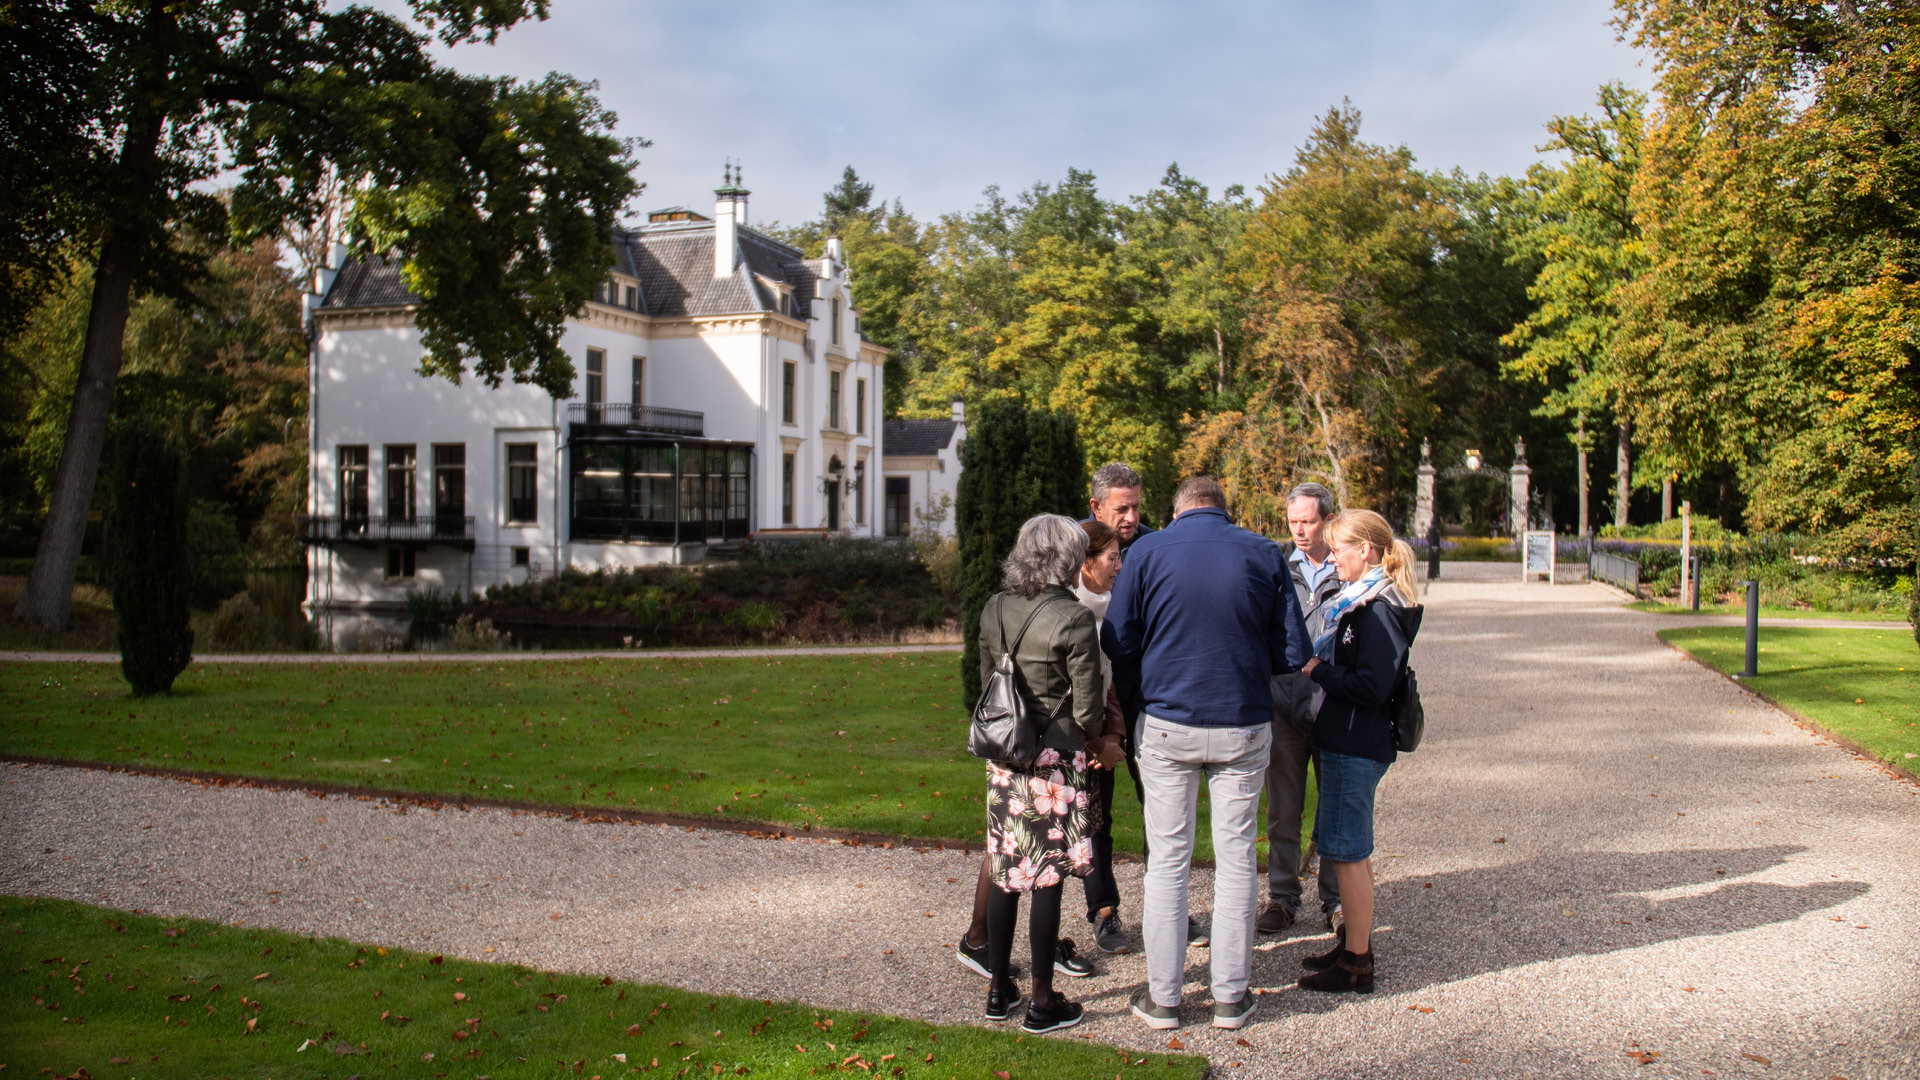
<point>633,1029</point>
<point>459,1035</point>
<point>119,1061</point>
<point>381,952</point>
<point>428,1056</point>
<point>621,1058</point>
<point>262,975</point>
<point>458,996</point>
<point>301,1049</point>
<point>436,960</point>
<point>384,1013</point>
<point>250,1024</point>
<point>1001,1075</point>
<point>1756,1057</point>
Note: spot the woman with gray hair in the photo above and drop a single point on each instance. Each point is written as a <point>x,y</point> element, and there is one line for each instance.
<point>1037,814</point>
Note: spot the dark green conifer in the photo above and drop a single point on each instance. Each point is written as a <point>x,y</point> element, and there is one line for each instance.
<point>147,534</point>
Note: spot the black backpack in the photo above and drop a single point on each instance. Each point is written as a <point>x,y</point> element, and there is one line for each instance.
<point>1000,730</point>
<point>1405,715</point>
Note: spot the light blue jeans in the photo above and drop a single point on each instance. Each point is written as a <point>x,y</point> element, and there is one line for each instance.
<point>1173,759</point>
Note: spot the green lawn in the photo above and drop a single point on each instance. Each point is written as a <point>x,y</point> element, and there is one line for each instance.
<point>1660,607</point>
<point>866,742</point>
<point>124,995</point>
<point>1862,685</point>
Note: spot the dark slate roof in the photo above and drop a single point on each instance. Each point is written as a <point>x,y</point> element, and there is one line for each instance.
<point>364,285</point>
<point>915,438</point>
<point>673,263</point>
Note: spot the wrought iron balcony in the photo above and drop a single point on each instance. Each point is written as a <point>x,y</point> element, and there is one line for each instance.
<point>449,529</point>
<point>650,418</point>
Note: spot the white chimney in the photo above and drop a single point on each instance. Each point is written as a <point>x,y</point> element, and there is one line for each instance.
<point>836,254</point>
<point>729,214</point>
<point>959,410</point>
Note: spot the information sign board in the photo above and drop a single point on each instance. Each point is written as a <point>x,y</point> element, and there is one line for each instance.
<point>1536,555</point>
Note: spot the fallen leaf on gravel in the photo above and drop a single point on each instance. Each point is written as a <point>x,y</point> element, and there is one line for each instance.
<point>1244,1043</point>
<point>1425,1009</point>
<point>1175,1043</point>
<point>1687,989</point>
<point>1756,1057</point>
<point>1644,1057</point>
<point>556,916</point>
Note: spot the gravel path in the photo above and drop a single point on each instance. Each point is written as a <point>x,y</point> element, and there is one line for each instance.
<point>1602,849</point>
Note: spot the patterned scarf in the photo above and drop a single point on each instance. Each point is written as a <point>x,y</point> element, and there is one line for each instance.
<point>1370,585</point>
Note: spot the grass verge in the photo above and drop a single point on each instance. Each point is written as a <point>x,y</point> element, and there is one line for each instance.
<point>1661,607</point>
<point>1861,685</point>
<point>871,743</point>
<point>94,992</point>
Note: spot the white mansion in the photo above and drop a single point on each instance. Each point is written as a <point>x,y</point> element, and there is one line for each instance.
<point>724,392</point>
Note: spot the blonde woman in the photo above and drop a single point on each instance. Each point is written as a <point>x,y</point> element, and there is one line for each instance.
<point>1358,660</point>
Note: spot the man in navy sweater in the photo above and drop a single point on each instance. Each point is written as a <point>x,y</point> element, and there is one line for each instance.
<point>1203,616</point>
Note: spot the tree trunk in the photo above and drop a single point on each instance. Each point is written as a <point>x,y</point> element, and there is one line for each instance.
<point>48,596</point>
<point>1623,480</point>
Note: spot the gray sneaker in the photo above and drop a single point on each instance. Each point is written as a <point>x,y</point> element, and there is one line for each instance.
<point>1197,934</point>
<point>1235,1015</point>
<point>1108,935</point>
<point>1156,1015</point>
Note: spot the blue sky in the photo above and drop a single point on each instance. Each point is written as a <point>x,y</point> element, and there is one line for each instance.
<point>933,102</point>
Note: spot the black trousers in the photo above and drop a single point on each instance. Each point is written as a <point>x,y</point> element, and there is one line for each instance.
<point>1102,890</point>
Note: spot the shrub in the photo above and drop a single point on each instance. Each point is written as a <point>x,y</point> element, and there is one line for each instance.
<point>476,635</point>
<point>147,533</point>
<point>427,611</point>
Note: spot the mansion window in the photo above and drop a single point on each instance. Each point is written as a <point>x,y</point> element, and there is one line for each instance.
<point>639,380</point>
<point>596,391</point>
<point>522,469</point>
<point>786,489</point>
<point>400,562</point>
<point>860,406</point>
<point>789,380</point>
<point>834,380</point>
<point>898,506</point>
<point>401,467</point>
<point>450,488</point>
<point>353,482</point>
<point>660,493</point>
<point>833,326</point>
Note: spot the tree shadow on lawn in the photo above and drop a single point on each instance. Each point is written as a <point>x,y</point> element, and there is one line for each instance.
<point>1472,922</point>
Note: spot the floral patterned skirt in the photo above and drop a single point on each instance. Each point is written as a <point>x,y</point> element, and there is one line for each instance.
<point>1039,821</point>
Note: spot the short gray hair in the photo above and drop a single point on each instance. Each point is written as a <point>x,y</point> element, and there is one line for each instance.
<point>1198,491</point>
<point>1318,493</point>
<point>1050,549</point>
<point>1114,474</point>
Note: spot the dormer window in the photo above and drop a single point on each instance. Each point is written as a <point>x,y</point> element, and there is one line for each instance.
<point>786,303</point>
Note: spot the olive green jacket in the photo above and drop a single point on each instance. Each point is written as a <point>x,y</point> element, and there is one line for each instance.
<point>1060,654</point>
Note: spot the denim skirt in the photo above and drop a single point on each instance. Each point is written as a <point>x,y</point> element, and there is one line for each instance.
<point>1343,821</point>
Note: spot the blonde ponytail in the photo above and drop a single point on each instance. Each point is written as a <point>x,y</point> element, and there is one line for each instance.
<point>1396,558</point>
<point>1398,564</point>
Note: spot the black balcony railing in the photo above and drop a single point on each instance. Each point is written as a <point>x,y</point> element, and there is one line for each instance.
<point>449,529</point>
<point>684,422</point>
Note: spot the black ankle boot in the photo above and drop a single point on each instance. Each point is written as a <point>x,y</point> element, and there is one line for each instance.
<point>1350,973</point>
<point>1325,960</point>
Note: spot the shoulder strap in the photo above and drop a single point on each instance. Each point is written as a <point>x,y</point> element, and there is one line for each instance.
<point>1017,638</point>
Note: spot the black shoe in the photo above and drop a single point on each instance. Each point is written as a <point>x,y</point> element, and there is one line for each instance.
<point>1197,934</point>
<point>1108,935</point>
<point>1001,1001</point>
<point>1276,918</point>
<point>974,958</point>
<point>1060,1013</point>
<point>1067,963</point>
<point>1350,973</point>
<point>1326,960</point>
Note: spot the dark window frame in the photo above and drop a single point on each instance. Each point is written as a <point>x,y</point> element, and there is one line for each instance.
<point>523,484</point>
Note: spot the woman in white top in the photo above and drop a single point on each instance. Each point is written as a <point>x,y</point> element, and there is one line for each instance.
<point>1095,589</point>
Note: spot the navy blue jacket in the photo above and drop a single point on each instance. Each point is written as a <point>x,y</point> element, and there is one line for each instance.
<point>1203,616</point>
<point>1370,647</point>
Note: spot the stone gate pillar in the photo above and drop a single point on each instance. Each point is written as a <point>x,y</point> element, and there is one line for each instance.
<point>1423,492</point>
<point>1519,479</point>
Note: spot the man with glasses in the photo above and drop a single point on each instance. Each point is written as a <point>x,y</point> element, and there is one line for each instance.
<point>1295,702</point>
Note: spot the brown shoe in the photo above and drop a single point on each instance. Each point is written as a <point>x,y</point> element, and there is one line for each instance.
<point>1326,960</point>
<point>1351,973</point>
<point>1275,918</point>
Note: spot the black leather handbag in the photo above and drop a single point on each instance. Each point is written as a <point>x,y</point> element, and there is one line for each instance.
<point>1001,730</point>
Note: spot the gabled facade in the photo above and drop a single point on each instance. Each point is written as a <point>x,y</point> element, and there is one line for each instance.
<point>922,473</point>
<point>723,390</point>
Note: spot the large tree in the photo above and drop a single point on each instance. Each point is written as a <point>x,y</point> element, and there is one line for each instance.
<point>497,197</point>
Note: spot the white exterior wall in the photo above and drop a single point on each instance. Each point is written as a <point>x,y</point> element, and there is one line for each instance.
<point>367,391</point>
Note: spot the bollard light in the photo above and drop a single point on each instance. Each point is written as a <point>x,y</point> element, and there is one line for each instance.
<point>1753,629</point>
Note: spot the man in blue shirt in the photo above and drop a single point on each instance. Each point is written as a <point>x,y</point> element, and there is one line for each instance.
<point>1295,701</point>
<point>1203,615</point>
